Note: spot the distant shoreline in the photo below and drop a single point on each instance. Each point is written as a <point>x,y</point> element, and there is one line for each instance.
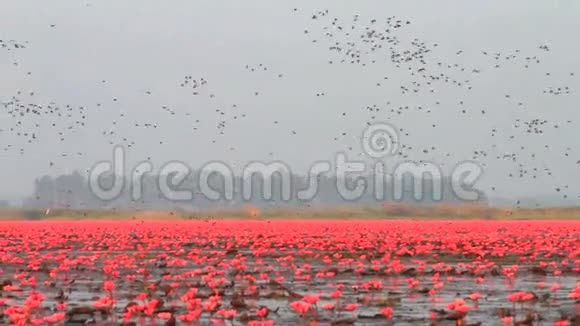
<point>387,212</point>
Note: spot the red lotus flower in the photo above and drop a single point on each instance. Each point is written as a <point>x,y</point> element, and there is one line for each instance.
<point>300,307</point>
<point>387,312</point>
<point>109,286</point>
<point>311,299</point>
<point>507,320</point>
<point>475,296</point>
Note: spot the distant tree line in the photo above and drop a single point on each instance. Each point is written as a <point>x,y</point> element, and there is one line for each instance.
<point>73,191</point>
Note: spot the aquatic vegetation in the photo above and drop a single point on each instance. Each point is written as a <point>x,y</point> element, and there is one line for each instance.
<point>288,272</point>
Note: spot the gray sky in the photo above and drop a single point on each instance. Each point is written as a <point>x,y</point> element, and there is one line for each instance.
<point>140,46</point>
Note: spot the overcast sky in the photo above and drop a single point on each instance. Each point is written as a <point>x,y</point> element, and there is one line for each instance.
<point>140,46</point>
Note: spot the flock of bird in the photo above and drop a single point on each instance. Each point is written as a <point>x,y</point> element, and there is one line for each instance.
<point>11,45</point>
<point>351,41</point>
